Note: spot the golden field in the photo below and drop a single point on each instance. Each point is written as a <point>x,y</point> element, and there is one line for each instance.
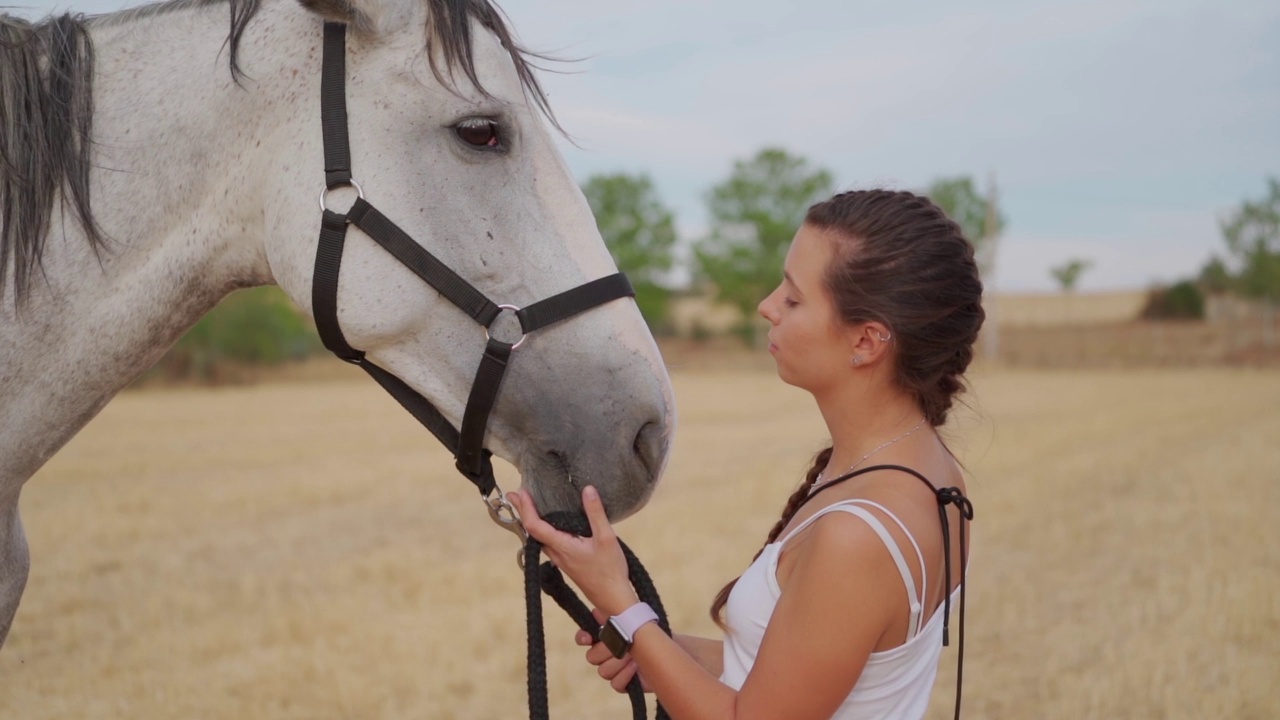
<point>304,550</point>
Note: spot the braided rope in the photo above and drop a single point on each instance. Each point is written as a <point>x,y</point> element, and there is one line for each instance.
<point>540,577</point>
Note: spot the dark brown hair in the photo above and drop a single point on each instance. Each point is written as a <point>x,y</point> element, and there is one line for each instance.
<point>902,262</point>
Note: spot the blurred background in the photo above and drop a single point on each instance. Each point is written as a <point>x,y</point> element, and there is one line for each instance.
<point>1117,166</point>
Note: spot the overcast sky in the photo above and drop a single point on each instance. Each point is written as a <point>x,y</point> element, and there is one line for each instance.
<point>1118,130</point>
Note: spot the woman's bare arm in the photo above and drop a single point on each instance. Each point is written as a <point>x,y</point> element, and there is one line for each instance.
<point>709,653</point>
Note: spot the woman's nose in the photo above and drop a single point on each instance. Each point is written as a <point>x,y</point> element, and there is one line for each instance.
<point>765,309</point>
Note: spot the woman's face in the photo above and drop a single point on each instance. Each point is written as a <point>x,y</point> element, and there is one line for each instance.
<point>808,342</point>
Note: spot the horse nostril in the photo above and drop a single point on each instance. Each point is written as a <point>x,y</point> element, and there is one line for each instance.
<point>650,448</point>
<point>560,462</point>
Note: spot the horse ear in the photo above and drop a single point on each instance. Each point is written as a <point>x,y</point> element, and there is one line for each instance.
<point>343,11</point>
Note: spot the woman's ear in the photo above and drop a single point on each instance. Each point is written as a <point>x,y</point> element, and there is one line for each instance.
<point>869,342</point>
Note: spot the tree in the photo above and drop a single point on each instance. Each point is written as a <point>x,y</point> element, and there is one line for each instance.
<point>1068,273</point>
<point>982,223</point>
<point>640,234</point>
<point>1214,276</point>
<point>754,214</point>
<point>1181,301</point>
<point>251,327</point>
<point>976,215</point>
<point>1252,233</point>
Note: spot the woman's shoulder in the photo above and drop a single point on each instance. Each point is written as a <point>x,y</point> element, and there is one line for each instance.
<point>844,535</point>
<point>890,496</point>
<point>838,557</point>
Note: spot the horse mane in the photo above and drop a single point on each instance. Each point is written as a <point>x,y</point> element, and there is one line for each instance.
<point>46,130</point>
<point>46,110</point>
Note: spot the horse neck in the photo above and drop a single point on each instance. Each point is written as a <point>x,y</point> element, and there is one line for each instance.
<point>178,150</point>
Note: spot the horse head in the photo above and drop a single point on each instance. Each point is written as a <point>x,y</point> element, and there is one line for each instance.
<point>449,138</point>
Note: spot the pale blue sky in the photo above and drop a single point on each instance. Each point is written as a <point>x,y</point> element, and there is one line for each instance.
<point>1119,130</point>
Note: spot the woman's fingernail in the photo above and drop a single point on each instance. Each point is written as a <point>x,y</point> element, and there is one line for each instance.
<point>589,492</point>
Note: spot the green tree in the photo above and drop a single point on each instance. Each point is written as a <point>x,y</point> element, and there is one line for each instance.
<point>1181,301</point>
<point>257,326</point>
<point>754,214</point>
<point>1214,276</point>
<point>640,234</point>
<point>1068,273</point>
<point>1252,233</point>
<point>960,200</point>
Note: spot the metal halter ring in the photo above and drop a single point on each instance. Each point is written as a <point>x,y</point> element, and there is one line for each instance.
<point>325,191</point>
<point>523,334</point>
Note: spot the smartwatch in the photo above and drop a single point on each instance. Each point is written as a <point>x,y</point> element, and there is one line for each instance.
<point>619,632</point>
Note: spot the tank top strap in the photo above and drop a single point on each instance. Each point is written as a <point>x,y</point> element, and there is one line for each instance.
<point>915,598</point>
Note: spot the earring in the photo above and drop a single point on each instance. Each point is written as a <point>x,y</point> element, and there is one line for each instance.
<point>856,361</point>
<point>884,338</point>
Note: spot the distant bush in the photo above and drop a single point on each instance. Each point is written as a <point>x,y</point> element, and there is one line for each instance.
<point>258,326</point>
<point>1180,301</point>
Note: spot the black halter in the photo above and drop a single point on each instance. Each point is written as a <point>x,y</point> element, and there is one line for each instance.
<point>473,460</point>
<point>467,444</point>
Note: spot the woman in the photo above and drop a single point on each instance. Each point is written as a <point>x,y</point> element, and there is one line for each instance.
<point>842,613</point>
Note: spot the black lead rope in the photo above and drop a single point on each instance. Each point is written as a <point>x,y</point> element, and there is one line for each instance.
<point>945,496</point>
<point>547,578</point>
<point>467,442</point>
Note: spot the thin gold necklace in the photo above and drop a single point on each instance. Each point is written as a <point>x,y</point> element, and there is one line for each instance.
<point>819,482</point>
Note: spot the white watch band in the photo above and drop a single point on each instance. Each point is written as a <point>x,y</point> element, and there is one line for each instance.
<point>629,621</point>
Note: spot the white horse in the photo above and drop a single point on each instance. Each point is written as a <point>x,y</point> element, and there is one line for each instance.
<point>204,161</point>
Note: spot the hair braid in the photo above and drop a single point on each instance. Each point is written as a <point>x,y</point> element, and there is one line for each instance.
<point>788,512</point>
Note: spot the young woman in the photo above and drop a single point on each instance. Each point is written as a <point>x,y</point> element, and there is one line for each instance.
<point>842,613</point>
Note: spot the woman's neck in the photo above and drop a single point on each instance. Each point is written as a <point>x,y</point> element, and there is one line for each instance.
<point>862,417</point>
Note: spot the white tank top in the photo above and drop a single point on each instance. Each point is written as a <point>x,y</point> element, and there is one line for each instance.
<point>895,683</point>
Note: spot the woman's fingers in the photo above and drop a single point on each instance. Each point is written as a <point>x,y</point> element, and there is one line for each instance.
<point>618,671</point>
<point>623,677</point>
<point>593,506</point>
<point>540,529</point>
<point>598,654</point>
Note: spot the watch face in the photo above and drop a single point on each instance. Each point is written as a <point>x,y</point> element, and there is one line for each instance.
<point>612,639</point>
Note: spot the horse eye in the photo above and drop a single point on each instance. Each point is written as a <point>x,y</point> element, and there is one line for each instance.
<point>479,132</point>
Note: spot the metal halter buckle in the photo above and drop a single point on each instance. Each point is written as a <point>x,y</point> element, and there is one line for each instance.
<point>523,334</point>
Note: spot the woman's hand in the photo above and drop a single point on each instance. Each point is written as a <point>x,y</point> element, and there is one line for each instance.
<point>618,671</point>
<point>595,564</point>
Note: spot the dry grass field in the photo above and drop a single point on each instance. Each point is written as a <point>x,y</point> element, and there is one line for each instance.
<point>303,550</point>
